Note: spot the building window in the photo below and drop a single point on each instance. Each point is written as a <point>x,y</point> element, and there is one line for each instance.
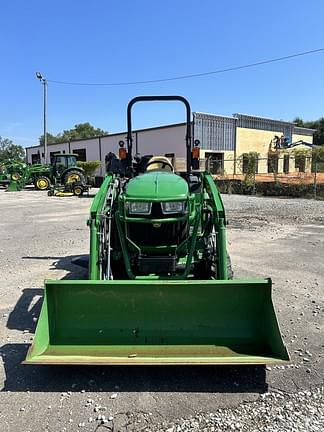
<point>286,164</point>
<point>35,157</point>
<point>245,163</point>
<point>300,162</point>
<point>52,154</point>
<point>214,163</point>
<point>81,154</point>
<point>250,163</point>
<point>273,163</point>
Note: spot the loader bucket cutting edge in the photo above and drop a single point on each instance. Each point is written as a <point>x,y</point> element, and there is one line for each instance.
<point>157,323</point>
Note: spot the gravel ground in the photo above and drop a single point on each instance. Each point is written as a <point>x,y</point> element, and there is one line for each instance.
<point>281,238</point>
<point>302,411</point>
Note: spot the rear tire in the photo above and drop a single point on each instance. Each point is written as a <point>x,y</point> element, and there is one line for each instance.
<point>74,176</point>
<point>42,183</point>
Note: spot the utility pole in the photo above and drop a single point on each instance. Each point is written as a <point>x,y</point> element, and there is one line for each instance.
<point>44,82</point>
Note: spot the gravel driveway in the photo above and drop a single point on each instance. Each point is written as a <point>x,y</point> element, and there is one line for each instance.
<point>281,238</point>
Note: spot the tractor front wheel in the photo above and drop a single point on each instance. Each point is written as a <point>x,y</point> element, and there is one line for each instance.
<point>207,267</point>
<point>77,190</point>
<point>74,176</point>
<point>42,183</point>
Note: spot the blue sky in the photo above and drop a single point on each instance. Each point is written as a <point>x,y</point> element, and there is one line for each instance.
<point>124,40</point>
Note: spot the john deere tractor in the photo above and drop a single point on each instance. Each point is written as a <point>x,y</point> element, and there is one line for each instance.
<point>160,290</point>
<point>11,169</point>
<point>63,170</point>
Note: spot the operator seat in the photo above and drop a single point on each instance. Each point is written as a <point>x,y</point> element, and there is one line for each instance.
<point>159,163</point>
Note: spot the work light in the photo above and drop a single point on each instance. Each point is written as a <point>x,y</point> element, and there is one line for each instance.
<point>139,207</point>
<point>169,207</point>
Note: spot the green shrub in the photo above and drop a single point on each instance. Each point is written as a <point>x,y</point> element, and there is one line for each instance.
<point>271,189</point>
<point>249,168</point>
<point>89,167</point>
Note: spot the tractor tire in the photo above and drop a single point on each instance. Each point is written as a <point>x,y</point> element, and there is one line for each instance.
<point>15,176</point>
<point>42,183</point>
<point>74,176</point>
<point>207,268</point>
<point>212,270</point>
<point>77,189</point>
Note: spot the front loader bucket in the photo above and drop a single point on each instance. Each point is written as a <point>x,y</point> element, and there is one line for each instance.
<point>146,322</point>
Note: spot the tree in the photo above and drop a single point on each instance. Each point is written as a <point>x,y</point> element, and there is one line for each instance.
<point>298,121</point>
<point>313,124</point>
<point>319,134</point>
<point>318,159</point>
<point>79,131</point>
<point>50,139</point>
<point>9,150</point>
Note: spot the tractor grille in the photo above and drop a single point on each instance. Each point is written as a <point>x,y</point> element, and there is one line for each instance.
<point>167,234</point>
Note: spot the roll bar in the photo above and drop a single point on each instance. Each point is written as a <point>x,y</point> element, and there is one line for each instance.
<point>159,98</point>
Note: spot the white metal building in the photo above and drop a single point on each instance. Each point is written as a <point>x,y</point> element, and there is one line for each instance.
<point>168,139</point>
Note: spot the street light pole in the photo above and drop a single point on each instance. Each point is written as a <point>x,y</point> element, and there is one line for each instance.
<point>44,82</point>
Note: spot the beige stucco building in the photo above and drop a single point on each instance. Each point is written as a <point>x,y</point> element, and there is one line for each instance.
<point>275,142</point>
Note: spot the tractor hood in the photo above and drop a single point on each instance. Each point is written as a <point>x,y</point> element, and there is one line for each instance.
<point>157,185</point>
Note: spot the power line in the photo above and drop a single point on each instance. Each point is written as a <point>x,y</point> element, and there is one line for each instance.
<point>196,75</point>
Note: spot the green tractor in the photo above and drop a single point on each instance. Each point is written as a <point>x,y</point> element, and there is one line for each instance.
<point>63,170</point>
<point>160,290</point>
<point>4,176</point>
<point>11,170</point>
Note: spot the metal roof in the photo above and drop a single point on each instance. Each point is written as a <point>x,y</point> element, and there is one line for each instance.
<point>255,117</point>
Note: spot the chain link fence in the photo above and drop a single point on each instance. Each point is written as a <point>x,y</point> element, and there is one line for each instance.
<point>287,175</point>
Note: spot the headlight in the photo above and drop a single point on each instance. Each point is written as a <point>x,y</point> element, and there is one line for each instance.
<point>140,208</point>
<point>174,207</point>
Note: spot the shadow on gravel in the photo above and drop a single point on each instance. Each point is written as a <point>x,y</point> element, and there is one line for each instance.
<point>203,379</point>
<point>27,309</point>
<point>75,265</point>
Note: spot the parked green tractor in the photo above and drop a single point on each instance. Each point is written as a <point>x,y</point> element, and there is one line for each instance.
<point>63,170</point>
<point>4,176</point>
<point>11,170</point>
<point>159,289</point>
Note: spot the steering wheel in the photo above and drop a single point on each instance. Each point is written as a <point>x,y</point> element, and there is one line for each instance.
<point>163,162</point>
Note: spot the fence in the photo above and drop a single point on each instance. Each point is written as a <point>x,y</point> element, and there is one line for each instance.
<point>289,175</point>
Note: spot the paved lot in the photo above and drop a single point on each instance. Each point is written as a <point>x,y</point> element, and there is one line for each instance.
<point>39,235</point>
